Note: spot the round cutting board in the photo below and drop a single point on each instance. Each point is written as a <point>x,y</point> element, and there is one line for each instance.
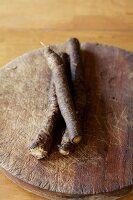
<point>102,165</point>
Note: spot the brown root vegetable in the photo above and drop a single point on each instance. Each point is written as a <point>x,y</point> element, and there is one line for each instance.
<point>65,146</point>
<point>76,70</point>
<point>64,98</point>
<point>78,88</point>
<point>42,143</point>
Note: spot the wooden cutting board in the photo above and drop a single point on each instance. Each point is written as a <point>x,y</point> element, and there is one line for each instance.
<point>102,165</point>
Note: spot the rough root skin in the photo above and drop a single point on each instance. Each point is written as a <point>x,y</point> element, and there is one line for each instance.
<point>60,93</point>
<point>76,68</point>
<point>65,146</point>
<point>42,143</point>
<point>64,98</point>
<point>77,84</point>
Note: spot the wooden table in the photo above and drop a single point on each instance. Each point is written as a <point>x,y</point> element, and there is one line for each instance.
<point>24,23</point>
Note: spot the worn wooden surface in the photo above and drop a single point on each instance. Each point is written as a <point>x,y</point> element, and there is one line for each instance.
<point>24,23</point>
<point>103,162</point>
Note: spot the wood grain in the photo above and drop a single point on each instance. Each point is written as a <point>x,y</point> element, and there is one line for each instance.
<point>103,162</point>
<point>52,195</point>
<point>68,15</point>
<point>17,193</point>
<point>24,23</point>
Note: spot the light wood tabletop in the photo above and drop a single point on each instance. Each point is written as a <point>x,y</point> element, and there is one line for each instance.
<point>26,23</point>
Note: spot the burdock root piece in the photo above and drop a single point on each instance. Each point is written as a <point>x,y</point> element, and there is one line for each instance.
<point>42,143</point>
<point>63,94</point>
<point>76,69</point>
<point>66,146</point>
<point>78,88</point>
